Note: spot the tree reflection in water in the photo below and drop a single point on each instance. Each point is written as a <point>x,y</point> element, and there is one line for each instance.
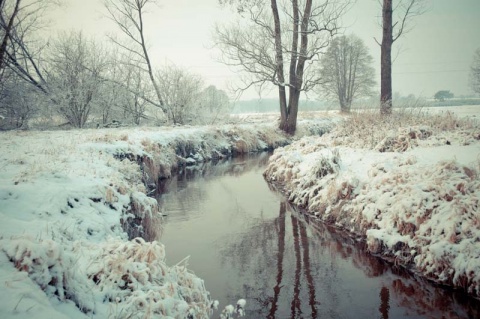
<point>384,302</point>
<point>298,267</point>
<point>180,197</point>
<point>280,223</point>
<point>289,268</point>
<point>247,242</point>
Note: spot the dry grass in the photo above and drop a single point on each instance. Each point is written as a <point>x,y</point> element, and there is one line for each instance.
<point>366,128</point>
<point>328,165</point>
<point>144,218</point>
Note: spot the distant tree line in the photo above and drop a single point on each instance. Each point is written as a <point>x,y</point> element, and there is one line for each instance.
<point>443,95</point>
<point>75,81</point>
<point>297,46</point>
<point>475,72</point>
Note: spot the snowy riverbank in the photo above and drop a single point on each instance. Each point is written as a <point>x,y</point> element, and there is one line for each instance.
<point>410,185</point>
<point>66,199</point>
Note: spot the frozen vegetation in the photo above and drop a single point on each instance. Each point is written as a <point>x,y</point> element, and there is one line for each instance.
<point>72,204</point>
<point>409,184</point>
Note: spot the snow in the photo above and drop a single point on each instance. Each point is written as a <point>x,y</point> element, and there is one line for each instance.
<point>231,312</point>
<point>67,199</point>
<point>412,191</point>
<point>461,111</point>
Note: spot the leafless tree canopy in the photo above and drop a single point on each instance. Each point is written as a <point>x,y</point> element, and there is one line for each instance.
<point>128,15</point>
<point>277,42</point>
<point>19,48</point>
<point>214,105</point>
<point>179,91</point>
<point>186,99</point>
<point>346,71</point>
<point>126,91</point>
<point>475,72</point>
<point>77,67</point>
<point>22,82</point>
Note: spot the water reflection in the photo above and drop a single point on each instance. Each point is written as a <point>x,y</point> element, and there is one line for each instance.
<point>310,281</point>
<point>384,302</point>
<point>249,243</point>
<point>182,197</point>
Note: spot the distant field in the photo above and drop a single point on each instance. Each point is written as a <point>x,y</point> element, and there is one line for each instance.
<point>254,117</point>
<point>462,111</point>
<point>268,117</point>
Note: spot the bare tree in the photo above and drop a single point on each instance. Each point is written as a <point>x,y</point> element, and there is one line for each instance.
<point>20,49</point>
<point>75,76</point>
<point>18,103</point>
<point>276,42</point>
<point>128,15</point>
<point>21,79</point>
<point>134,105</point>
<point>6,27</point>
<point>180,91</point>
<point>124,91</point>
<point>113,93</point>
<point>213,105</point>
<point>475,72</point>
<point>346,71</point>
<point>395,19</point>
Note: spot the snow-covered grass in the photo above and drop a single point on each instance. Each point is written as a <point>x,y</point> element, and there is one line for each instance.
<point>460,111</point>
<point>409,184</point>
<point>71,203</point>
<point>269,117</point>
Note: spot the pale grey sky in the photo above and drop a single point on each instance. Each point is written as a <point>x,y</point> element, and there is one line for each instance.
<point>435,55</point>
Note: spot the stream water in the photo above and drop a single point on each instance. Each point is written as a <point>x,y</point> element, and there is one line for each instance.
<point>246,241</point>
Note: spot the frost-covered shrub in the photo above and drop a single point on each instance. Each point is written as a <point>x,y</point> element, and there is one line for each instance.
<point>115,278</point>
<point>308,166</point>
<point>412,212</point>
<point>143,219</point>
<point>135,278</point>
<point>328,164</point>
<point>403,139</point>
<point>400,131</point>
<point>43,260</point>
<point>231,312</point>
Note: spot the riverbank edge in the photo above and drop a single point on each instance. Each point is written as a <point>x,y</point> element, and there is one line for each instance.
<point>160,159</point>
<point>153,153</point>
<point>340,208</point>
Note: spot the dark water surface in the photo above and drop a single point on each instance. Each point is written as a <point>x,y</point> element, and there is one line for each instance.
<point>245,241</point>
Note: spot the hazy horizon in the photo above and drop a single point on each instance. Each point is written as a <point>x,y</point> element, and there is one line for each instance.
<point>435,55</point>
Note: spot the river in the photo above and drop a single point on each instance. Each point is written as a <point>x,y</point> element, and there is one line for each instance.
<point>246,241</point>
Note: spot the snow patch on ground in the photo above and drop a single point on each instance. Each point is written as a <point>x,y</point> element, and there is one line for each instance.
<point>413,192</point>
<point>66,199</point>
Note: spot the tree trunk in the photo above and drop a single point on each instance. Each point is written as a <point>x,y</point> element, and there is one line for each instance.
<point>345,106</point>
<point>386,60</point>
<point>293,69</point>
<point>279,65</point>
<point>8,30</point>
<point>290,124</point>
<point>147,58</point>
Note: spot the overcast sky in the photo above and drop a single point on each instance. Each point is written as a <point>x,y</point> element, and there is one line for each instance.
<point>435,55</point>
